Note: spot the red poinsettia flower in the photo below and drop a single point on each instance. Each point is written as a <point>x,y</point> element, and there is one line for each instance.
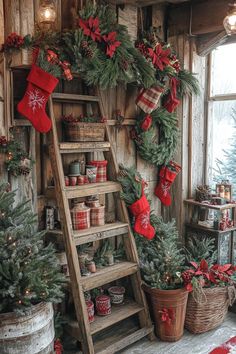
<point>146,123</point>
<point>160,58</point>
<point>91,28</point>
<point>112,43</point>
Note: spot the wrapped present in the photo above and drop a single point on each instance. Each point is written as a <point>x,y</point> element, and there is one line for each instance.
<point>148,99</point>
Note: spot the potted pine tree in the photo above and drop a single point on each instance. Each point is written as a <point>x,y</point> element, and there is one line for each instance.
<point>161,261</point>
<point>30,281</point>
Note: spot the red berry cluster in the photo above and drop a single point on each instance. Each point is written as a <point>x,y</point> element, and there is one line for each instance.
<point>187,277</point>
<point>143,48</point>
<point>14,40</point>
<point>3,141</point>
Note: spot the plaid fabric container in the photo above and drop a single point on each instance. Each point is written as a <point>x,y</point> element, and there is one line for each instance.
<point>148,99</point>
<point>97,216</point>
<point>101,170</point>
<point>80,216</point>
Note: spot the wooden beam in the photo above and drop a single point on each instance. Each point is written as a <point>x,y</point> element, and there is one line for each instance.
<point>207,17</point>
<point>206,43</point>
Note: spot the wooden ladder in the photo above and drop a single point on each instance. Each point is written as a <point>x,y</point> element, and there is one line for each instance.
<point>81,329</point>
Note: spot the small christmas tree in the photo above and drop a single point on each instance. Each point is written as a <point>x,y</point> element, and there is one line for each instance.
<point>161,259</point>
<point>29,271</point>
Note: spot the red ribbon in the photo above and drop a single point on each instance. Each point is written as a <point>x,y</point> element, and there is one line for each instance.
<point>52,57</point>
<point>58,346</point>
<point>167,315</point>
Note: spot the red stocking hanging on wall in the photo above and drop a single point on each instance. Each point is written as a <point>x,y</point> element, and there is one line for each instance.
<point>167,176</point>
<point>40,85</point>
<point>141,211</point>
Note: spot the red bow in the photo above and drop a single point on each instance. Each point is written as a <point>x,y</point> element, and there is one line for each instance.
<point>167,315</point>
<point>91,28</point>
<point>112,43</point>
<point>52,57</point>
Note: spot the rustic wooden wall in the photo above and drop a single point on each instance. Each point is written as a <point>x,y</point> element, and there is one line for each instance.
<point>20,16</point>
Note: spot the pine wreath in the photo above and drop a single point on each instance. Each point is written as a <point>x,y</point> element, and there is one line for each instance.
<point>156,151</point>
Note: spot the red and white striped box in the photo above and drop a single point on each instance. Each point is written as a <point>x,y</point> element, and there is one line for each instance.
<point>101,170</point>
<point>148,99</point>
<point>80,216</point>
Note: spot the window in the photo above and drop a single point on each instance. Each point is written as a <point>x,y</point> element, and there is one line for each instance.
<point>221,116</point>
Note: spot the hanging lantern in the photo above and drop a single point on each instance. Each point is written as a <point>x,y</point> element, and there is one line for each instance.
<point>47,12</point>
<point>230,20</point>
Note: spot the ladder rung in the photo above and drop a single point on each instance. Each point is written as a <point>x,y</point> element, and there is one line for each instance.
<point>70,147</point>
<point>67,97</point>
<point>108,274</point>
<point>118,313</point>
<point>92,189</point>
<point>122,341</point>
<point>100,232</point>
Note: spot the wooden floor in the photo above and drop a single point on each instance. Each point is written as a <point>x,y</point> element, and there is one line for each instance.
<point>189,344</point>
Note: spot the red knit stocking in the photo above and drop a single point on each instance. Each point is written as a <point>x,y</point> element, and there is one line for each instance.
<point>40,85</point>
<point>141,211</point>
<point>167,176</point>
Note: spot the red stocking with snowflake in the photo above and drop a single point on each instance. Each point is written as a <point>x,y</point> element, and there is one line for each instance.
<point>141,211</point>
<point>167,176</point>
<point>40,85</point>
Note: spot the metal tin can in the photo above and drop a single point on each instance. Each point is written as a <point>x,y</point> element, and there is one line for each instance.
<point>103,305</point>
<point>49,217</point>
<point>90,309</point>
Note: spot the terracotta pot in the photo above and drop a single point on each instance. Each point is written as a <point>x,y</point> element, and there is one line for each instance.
<point>168,308</point>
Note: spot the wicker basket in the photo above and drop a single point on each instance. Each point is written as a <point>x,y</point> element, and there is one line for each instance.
<point>84,131</point>
<point>211,312</point>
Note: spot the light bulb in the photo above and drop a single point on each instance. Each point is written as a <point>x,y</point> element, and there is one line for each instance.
<point>47,12</point>
<point>230,20</point>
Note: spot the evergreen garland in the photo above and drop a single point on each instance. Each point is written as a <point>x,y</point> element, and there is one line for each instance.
<point>150,149</point>
<point>29,272</point>
<point>162,258</point>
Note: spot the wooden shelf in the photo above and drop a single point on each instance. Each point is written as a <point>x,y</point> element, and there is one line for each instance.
<point>108,274</point>
<point>94,233</point>
<point>216,207</point>
<point>86,189</point>
<point>72,147</point>
<point>118,313</point>
<point>100,232</point>
<point>208,229</point>
<point>67,97</point>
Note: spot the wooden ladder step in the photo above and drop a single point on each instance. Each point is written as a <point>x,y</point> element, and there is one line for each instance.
<point>119,313</point>
<point>100,232</point>
<point>122,342</point>
<point>94,233</point>
<point>92,189</point>
<point>68,97</point>
<point>67,148</point>
<point>86,190</point>
<point>108,274</point>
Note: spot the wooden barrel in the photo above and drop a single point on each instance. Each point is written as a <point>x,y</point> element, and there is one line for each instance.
<point>31,333</point>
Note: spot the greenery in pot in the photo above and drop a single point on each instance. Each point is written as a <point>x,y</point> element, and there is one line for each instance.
<point>29,271</point>
<point>162,259</point>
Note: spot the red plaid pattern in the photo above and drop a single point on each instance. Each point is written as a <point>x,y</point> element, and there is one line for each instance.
<point>148,99</point>
<point>97,216</point>
<point>101,170</point>
<point>80,219</point>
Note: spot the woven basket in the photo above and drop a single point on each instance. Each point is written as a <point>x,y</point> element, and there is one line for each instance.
<point>211,312</point>
<point>84,131</point>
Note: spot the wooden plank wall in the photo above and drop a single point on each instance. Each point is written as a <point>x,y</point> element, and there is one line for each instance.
<point>20,16</point>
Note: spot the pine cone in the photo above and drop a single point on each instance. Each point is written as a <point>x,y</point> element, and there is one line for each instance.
<point>88,53</point>
<point>187,277</point>
<point>84,44</point>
